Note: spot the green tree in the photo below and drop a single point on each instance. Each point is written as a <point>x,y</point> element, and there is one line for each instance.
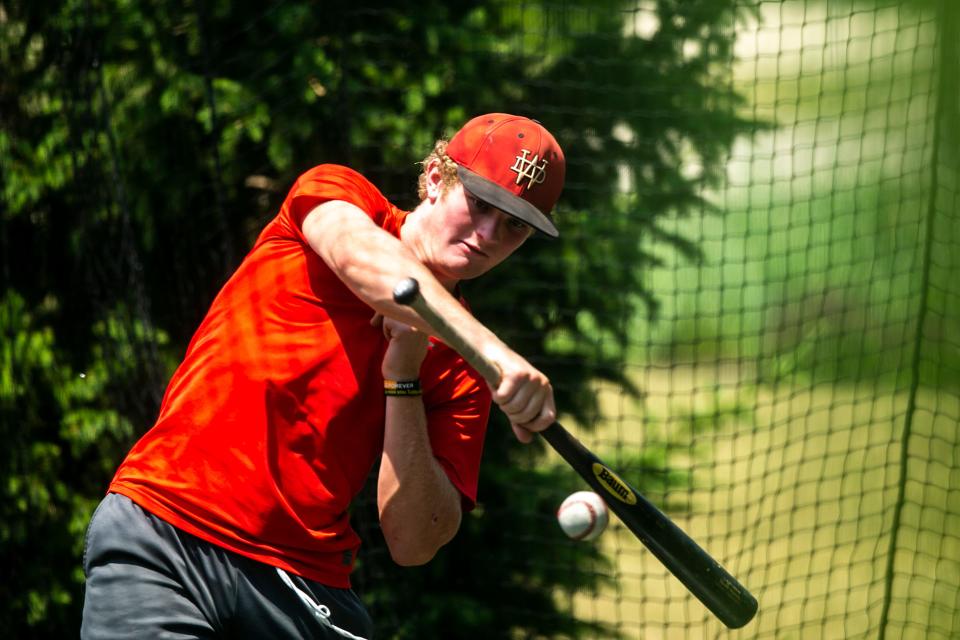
<point>143,145</point>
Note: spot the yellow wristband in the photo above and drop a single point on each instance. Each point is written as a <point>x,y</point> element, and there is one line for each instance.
<point>401,388</point>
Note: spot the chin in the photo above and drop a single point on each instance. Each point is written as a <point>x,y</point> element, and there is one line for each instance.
<point>466,271</point>
<point>459,265</point>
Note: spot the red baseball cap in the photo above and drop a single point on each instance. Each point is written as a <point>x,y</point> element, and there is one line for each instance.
<point>511,163</point>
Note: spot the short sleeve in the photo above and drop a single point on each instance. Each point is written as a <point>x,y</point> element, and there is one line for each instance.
<point>457,402</point>
<point>325,183</point>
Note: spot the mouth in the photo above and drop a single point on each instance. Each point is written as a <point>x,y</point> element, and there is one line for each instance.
<point>474,249</point>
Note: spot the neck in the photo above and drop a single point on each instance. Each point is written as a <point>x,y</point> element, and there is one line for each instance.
<point>414,237</point>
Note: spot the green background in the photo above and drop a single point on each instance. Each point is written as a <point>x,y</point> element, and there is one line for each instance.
<point>751,314</point>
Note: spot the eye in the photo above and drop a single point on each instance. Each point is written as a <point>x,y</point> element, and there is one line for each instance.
<point>518,224</point>
<point>479,205</point>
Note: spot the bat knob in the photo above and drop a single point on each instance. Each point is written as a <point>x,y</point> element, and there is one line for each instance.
<point>406,291</point>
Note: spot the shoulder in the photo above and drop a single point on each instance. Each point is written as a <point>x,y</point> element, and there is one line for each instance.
<point>334,182</point>
<point>335,174</point>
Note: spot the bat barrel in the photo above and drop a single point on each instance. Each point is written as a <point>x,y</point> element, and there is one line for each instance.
<point>703,576</point>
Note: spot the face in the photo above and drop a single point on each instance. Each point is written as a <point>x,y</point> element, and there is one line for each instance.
<point>467,237</point>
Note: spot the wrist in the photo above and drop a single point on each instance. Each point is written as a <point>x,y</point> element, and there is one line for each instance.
<point>402,387</point>
<point>400,373</point>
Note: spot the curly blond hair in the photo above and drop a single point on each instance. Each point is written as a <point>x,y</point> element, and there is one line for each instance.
<point>448,170</point>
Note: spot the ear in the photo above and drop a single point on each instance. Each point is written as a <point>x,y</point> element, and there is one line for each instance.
<point>434,182</point>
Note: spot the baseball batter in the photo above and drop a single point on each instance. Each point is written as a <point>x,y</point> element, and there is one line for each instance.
<point>229,518</point>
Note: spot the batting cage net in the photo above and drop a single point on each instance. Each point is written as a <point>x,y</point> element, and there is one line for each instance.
<point>752,313</point>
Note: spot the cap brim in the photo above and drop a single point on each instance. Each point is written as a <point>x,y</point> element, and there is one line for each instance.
<point>496,196</point>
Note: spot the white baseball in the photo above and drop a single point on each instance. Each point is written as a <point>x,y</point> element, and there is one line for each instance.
<point>583,515</point>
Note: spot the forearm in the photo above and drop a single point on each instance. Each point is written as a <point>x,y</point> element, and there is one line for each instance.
<point>419,506</point>
<point>371,262</point>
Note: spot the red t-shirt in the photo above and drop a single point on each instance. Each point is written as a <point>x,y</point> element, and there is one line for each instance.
<point>275,417</point>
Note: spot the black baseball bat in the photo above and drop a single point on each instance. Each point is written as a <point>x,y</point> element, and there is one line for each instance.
<point>695,568</point>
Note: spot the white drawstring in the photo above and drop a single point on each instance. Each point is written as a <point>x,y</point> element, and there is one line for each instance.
<point>320,611</point>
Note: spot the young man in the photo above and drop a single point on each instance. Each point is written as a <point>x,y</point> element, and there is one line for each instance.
<point>229,518</point>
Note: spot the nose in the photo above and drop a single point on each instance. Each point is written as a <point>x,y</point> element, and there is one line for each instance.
<point>488,226</point>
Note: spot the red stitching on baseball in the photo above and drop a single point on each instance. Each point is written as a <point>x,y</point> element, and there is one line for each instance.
<point>593,518</point>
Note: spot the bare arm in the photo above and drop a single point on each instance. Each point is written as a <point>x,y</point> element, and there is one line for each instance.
<point>371,261</point>
<point>419,506</point>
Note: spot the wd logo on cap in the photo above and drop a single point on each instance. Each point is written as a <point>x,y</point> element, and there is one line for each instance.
<point>528,169</point>
<point>613,484</point>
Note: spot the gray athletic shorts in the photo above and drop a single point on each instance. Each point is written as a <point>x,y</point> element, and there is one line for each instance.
<point>148,579</point>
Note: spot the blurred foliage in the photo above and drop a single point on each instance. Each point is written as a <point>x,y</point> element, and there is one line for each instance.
<point>62,432</point>
<point>144,144</point>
